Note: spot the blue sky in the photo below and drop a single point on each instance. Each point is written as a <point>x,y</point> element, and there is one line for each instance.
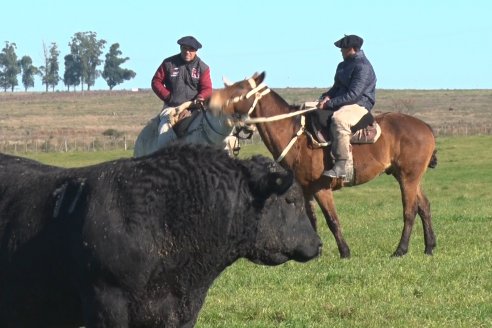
<point>415,44</point>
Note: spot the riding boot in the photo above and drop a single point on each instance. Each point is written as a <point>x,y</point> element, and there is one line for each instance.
<point>337,171</point>
<point>341,155</point>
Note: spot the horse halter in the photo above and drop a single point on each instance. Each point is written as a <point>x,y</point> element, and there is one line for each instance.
<point>255,90</point>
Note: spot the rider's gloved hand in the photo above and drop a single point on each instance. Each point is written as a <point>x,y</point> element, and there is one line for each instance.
<point>199,101</point>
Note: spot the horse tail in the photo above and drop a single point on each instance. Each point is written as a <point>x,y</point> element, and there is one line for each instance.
<point>433,161</point>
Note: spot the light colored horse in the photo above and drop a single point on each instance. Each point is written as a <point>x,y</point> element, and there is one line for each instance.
<point>205,128</point>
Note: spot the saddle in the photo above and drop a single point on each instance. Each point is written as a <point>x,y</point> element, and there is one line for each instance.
<point>181,127</point>
<point>367,130</point>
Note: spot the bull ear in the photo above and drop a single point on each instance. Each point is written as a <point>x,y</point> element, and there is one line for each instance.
<point>279,183</point>
<point>265,178</point>
<point>272,183</point>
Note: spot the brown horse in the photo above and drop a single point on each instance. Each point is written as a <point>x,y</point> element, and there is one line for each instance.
<point>405,149</point>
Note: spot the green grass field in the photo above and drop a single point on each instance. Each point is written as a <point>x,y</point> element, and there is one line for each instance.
<point>453,288</point>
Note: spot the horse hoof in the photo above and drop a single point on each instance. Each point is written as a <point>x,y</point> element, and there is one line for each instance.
<point>399,253</point>
<point>345,255</point>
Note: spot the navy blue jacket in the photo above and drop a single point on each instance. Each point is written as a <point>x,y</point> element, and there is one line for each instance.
<point>355,83</point>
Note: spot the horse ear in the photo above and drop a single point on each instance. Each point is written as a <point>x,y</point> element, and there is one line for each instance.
<point>259,77</point>
<point>226,81</point>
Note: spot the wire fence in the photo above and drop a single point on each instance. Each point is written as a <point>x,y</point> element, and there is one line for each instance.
<point>92,144</point>
<point>463,129</point>
<point>66,145</point>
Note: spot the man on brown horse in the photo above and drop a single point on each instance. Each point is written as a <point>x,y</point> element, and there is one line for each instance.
<point>352,96</point>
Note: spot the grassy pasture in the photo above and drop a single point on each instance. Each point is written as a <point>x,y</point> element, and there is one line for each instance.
<point>453,288</point>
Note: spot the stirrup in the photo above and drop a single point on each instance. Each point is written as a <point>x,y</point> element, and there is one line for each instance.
<point>333,174</point>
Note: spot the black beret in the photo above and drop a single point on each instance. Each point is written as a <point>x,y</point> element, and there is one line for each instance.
<point>350,41</point>
<point>190,42</point>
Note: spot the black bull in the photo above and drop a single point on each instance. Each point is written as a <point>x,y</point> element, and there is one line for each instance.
<point>138,242</point>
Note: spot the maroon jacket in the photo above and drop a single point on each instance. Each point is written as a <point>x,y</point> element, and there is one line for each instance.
<point>177,81</point>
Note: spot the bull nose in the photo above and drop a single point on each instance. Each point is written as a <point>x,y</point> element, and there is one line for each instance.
<point>307,253</point>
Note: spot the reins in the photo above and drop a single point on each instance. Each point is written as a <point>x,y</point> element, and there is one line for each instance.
<point>278,117</point>
<point>212,127</point>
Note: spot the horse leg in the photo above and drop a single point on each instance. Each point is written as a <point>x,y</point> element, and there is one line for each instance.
<point>425,214</point>
<point>410,205</point>
<point>308,203</point>
<point>325,200</point>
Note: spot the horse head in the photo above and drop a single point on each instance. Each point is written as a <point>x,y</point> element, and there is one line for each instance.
<point>237,98</point>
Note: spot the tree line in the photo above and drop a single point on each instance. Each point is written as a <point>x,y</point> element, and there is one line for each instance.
<point>81,65</point>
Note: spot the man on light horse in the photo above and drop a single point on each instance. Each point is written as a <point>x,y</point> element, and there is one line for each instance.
<point>181,81</point>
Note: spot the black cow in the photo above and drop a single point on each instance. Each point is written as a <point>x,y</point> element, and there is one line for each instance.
<point>138,242</point>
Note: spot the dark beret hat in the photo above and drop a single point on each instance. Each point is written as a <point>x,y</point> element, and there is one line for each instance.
<point>350,41</point>
<point>190,42</point>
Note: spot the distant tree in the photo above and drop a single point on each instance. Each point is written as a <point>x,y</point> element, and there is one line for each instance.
<point>72,75</point>
<point>88,48</point>
<point>9,67</point>
<point>113,74</point>
<point>55,67</point>
<point>50,71</point>
<point>28,72</point>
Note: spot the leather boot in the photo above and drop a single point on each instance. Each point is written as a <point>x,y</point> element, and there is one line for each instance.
<point>338,170</point>
<point>341,153</point>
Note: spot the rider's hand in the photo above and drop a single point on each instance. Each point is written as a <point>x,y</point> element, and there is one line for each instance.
<point>197,104</point>
<point>183,114</point>
<point>322,102</point>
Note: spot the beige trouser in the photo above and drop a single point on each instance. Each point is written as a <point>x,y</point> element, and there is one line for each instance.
<point>341,122</point>
<point>166,132</point>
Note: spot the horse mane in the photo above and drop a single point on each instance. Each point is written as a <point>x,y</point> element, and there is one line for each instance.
<point>292,108</point>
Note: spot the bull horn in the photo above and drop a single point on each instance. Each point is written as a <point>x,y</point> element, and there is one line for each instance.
<point>227,82</point>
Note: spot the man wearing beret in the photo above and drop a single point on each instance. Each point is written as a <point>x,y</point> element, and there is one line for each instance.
<point>181,78</point>
<point>352,96</point>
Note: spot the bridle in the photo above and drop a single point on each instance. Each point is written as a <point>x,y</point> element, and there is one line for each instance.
<point>259,91</point>
<point>255,90</point>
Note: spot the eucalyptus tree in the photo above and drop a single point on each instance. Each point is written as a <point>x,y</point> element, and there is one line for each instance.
<point>88,48</point>
<point>9,67</point>
<point>28,72</point>
<point>113,74</point>
<point>73,71</point>
<point>50,71</point>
